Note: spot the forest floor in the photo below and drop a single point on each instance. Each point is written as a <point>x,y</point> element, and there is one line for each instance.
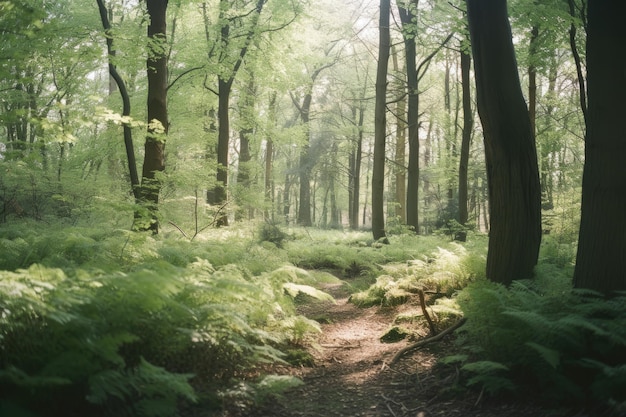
<point>350,376</point>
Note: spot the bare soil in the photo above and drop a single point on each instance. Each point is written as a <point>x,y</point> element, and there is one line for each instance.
<point>350,377</point>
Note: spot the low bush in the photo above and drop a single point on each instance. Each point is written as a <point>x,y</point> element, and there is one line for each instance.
<point>126,324</point>
<point>561,346</point>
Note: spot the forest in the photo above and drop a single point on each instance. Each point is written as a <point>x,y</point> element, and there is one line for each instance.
<point>229,208</point>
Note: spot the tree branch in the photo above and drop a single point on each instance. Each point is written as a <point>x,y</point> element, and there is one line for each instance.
<point>424,342</point>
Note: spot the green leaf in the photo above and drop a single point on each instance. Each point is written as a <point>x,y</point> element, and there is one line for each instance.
<point>484,367</point>
<point>295,289</point>
<point>553,357</point>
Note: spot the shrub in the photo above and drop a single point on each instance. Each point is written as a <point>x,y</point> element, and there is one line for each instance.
<point>562,347</point>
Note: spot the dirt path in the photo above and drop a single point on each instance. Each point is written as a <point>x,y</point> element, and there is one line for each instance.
<point>350,378</point>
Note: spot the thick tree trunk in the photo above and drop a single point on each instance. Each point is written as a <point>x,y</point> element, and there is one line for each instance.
<point>466,137</point>
<point>154,156</point>
<point>380,125</point>
<point>600,262</point>
<point>512,172</point>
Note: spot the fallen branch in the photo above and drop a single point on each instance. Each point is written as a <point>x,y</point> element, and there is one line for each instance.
<point>426,341</point>
<point>431,324</point>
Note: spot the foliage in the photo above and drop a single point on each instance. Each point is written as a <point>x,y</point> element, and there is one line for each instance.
<point>269,232</point>
<point>553,343</point>
<point>124,324</point>
<point>443,272</point>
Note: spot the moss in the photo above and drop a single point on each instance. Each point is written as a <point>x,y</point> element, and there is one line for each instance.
<point>394,335</point>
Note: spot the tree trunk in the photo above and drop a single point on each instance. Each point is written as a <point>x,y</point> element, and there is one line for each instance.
<point>247,100</point>
<point>154,156</point>
<point>306,167</point>
<point>225,84</point>
<point>600,262</point>
<point>380,125</point>
<point>116,80</point>
<point>579,70</point>
<point>354,186</point>
<point>412,189</point>
<point>468,125</point>
<point>269,156</point>
<point>220,195</point>
<point>400,156</point>
<point>511,157</point>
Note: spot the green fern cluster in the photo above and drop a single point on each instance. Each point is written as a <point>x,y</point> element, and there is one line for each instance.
<point>443,271</point>
<point>118,324</point>
<point>564,347</point>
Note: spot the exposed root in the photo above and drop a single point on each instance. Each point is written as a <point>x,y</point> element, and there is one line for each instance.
<point>424,342</point>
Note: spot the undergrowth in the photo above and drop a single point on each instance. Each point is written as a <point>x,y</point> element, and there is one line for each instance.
<point>543,340</point>
<point>126,324</point>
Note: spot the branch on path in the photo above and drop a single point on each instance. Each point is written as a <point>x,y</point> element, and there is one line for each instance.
<point>431,324</point>
<point>424,342</point>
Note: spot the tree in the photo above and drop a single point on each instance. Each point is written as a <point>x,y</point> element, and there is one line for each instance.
<point>511,158</point>
<point>409,27</point>
<point>600,261</point>
<point>468,125</point>
<point>121,85</point>
<point>380,127</point>
<point>158,123</point>
<point>231,56</point>
<point>307,158</point>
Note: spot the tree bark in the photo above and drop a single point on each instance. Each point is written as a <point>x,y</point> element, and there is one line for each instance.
<point>116,80</point>
<point>269,159</point>
<point>466,137</point>
<point>600,261</point>
<point>400,155</point>
<point>225,84</point>
<point>511,157</point>
<point>154,156</point>
<point>380,125</point>
<point>412,189</point>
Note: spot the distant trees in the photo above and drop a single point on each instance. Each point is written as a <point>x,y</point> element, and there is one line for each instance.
<point>511,157</point>
<point>600,261</point>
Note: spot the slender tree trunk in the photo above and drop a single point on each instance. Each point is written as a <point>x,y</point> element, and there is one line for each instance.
<point>116,80</point>
<point>412,189</point>
<point>354,186</point>
<point>247,100</point>
<point>154,148</point>
<point>220,194</point>
<point>269,157</point>
<point>532,79</point>
<point>512,171</point>
<point>225,85</point>
<point>400,155</point>
<point>380,128</point>
<point>579,70</point>
<point>468,125</point>
<point>600,262</point>
<point>306,167</point>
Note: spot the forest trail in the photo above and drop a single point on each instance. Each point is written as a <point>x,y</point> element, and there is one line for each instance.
<point>350,378</point>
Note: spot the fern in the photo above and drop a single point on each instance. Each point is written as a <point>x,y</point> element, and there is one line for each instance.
<point>555,345</point>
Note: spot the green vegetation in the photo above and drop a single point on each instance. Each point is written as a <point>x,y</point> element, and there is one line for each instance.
<point>125,323</point>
